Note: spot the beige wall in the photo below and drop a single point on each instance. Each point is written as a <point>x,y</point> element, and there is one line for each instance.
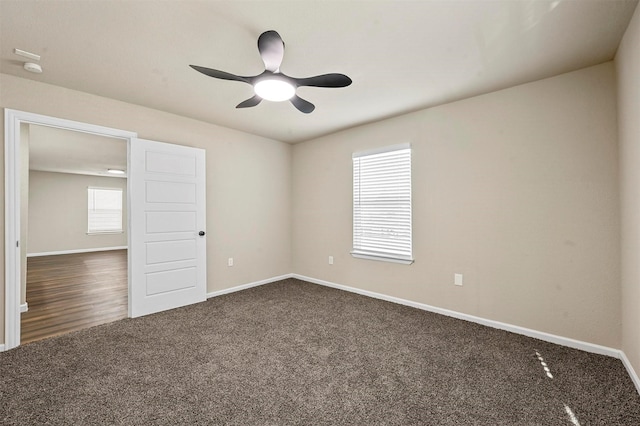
<point>248,178</point>
<point>58,212</point>
<point>517,190</point>
<point>628,70</point>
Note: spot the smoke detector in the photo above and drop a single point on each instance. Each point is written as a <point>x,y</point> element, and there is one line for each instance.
<point>31,67</point>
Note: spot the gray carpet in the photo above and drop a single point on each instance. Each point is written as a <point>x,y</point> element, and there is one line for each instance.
<point>296,353</point>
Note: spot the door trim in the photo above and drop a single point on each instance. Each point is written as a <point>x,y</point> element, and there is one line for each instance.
<point>12,121</point>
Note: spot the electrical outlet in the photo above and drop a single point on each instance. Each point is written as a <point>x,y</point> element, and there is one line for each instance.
<point>457,279</point>
<point>330,260</point>
<point>230,261</point>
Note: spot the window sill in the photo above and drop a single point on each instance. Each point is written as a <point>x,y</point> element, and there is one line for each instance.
<point>382,258</point>
<point>105,232</point>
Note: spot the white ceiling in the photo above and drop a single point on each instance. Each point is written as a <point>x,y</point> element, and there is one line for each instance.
<point>64,151</point>
<point>402,55</point>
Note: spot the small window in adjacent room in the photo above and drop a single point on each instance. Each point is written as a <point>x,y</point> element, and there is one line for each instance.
<point>382,204</point>
<point>105,210</point>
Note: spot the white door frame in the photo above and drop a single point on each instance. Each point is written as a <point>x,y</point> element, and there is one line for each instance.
<point>12,121</point>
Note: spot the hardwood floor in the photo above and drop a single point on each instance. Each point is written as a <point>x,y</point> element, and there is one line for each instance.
<point>73,291</point>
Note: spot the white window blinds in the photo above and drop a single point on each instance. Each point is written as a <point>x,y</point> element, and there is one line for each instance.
<point>382,204</point>
<point>105,210</point>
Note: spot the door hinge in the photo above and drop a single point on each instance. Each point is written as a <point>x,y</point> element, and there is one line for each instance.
<point>17,243</point>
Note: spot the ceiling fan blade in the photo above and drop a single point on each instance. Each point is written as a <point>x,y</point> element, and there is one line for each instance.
<point>251,102</point>
<point>221,74</point>
<point>324,80</point>
<point>302,105</point>
<point>271,49</point>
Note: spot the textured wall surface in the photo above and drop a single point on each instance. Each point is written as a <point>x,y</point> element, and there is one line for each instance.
<point>517,190</point>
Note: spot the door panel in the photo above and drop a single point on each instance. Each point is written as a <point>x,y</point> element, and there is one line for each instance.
<point>160,162</point>
<point>170,281</point>
<point>167,251</point>
<point>167,198</point>
<point>163,222</point>
<point>170,192</point>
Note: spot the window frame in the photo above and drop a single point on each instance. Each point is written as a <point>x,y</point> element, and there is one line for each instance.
<point>105,231</point>
<point>368,251</point>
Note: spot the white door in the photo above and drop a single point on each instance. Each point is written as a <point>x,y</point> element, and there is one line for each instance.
<point>167,242</point>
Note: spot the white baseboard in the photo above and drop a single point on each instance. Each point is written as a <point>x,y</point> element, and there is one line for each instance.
<point>87,250</point>
<point>552,338</point>
<point>630,370</point>
<point>24,307</point>
<point>249,285</point>
<point>1,347</point>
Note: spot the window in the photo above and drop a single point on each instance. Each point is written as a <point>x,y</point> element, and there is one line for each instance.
<point>382,204</point>
<point>105,210</point>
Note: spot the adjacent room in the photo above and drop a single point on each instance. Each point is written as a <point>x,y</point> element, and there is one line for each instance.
<point>73,220</point>
<point>349,212</point>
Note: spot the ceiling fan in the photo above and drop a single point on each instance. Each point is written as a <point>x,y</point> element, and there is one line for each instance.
<point>272,84</point>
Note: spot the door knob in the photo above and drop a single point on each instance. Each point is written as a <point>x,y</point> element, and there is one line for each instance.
<point>201,233</point>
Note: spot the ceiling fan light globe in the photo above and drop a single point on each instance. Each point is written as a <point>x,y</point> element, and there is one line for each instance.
<point>275,90</point>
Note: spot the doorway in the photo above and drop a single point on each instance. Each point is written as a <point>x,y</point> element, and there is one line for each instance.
<point>73,231</point>
<point>166,220</point>
<point>14,126</point>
